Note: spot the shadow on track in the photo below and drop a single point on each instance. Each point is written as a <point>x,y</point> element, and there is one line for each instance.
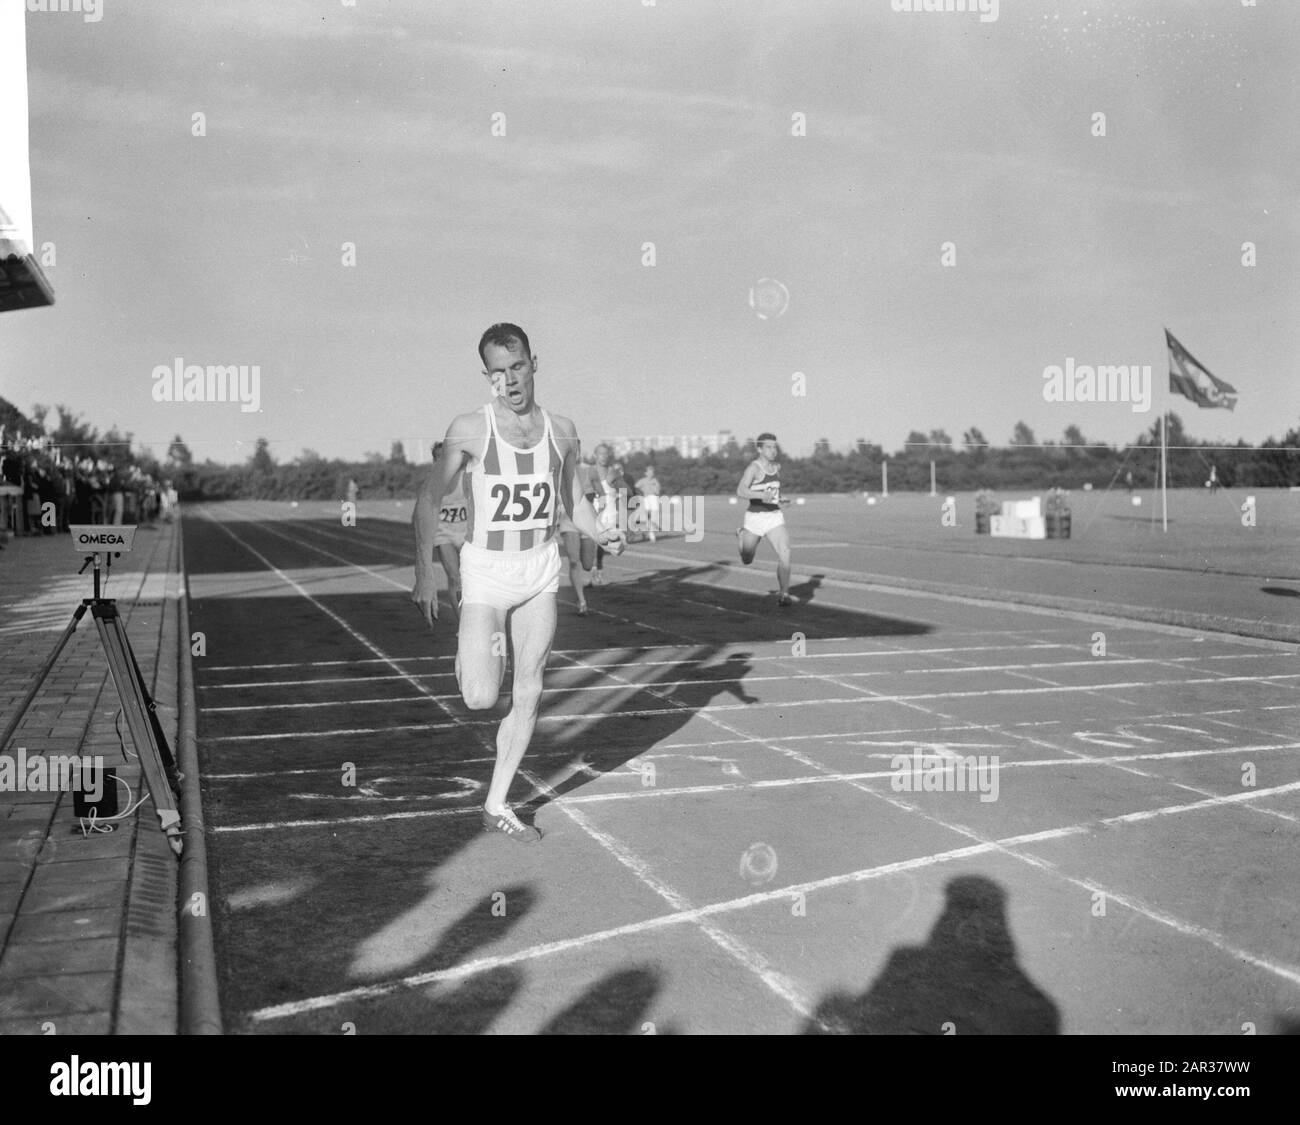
<point>353,896</point>
<point>469,1007</point>
<point>806,591</point>
<point>965,975</point>
<point>615,1005</point>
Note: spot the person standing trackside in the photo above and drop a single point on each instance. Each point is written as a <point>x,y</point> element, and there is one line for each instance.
<point>519,463</point>
<point>608,480</point>
<point>580,550</point>
<point>116,495</point>
<point>649,488</point>
<point>761,486</point>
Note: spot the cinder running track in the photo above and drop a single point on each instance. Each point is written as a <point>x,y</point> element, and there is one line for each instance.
<point>752,816</point>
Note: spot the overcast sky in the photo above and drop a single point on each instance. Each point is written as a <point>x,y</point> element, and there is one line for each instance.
<point>629,123</point>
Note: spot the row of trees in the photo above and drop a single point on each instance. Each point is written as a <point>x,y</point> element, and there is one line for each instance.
<point>976,464</point>
<point>1023,463</point>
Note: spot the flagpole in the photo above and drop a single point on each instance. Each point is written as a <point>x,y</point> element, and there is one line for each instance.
<point>1164,464</point>
<point>1164,472</point>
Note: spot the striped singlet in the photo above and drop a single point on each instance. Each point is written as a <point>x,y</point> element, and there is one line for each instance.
<point>769,478</point>
<point>513,494</point>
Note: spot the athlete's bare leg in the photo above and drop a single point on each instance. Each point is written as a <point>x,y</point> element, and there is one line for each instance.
<point>532,629</point>
<point>748,544</point>
<point>779,537</point>
<point>581,553</point>
<point>480,654</point>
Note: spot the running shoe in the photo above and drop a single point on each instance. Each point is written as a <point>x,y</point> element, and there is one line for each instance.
<point>507,824</point>
<point>785,599</point>
<point>597,578</point>
<point>582,610</point>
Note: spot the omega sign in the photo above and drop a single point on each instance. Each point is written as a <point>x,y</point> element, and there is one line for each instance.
<point>91,537</point>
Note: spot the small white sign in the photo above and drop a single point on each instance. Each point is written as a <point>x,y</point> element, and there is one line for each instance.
<point>1018,527</point>
<point>89,538</point>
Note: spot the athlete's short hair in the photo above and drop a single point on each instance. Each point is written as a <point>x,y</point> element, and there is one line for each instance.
<point>503,335</point>
<point>437,448</point>
<point>765,436</point>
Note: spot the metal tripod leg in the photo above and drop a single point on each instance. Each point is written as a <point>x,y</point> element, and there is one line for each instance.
<point>144,733</point>
<point>169,763</point>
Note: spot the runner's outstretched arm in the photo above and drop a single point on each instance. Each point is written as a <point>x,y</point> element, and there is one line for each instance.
<point>580,508</point>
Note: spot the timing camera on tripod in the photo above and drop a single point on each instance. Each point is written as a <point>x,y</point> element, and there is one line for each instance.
<point>156,762</point>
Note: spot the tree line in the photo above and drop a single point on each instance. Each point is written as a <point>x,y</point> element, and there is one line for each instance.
<point>973,464</point>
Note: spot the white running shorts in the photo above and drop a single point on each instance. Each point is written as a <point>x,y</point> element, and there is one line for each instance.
<point>506,579</point>
<point>761,523</point>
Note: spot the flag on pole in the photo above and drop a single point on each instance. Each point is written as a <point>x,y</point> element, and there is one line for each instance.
<point>1191,379</point>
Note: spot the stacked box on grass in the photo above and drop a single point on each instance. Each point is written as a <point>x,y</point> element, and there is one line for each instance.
<point>1020,519</point>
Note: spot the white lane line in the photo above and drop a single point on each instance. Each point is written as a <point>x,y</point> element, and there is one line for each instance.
<point>649,925</point>
<point>788,989</point>
<point>762,898</point>
<point>653,648</point>
<point>1146,774</point>
<point>880,584</point>
<point>642,793</point>
<point>565,690</point>
<point>710,709</point>
<point>709,745</point>
<point>959,670</point>
<point>742,738</point>
<point>1112,614</point>
<point>1217,940</point>
<point>749,958</point>
<point>1045,866</point>
<point>1208,803</point>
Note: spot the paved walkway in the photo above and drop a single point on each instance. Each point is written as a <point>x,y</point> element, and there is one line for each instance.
<point>88,923</point>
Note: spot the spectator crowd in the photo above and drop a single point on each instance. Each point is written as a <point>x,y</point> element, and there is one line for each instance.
<point>43,489</point>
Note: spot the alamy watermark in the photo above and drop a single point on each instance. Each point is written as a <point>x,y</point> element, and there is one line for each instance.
<point>184,382</point>
<point>92,11</point>
<point>920,772</point>
<point>50,773</point>
<point>1107,383</point>
<point>988,9</point>
<point>664,513</point>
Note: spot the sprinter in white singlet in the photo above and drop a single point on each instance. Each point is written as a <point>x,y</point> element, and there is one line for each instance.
<point>519,463</point>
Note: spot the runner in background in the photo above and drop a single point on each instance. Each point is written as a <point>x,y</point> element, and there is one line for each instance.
<point>453,517</point>
<point>761,486</point>
<point>648,487</point>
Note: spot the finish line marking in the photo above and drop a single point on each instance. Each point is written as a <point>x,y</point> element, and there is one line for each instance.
<point>484,964</point>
